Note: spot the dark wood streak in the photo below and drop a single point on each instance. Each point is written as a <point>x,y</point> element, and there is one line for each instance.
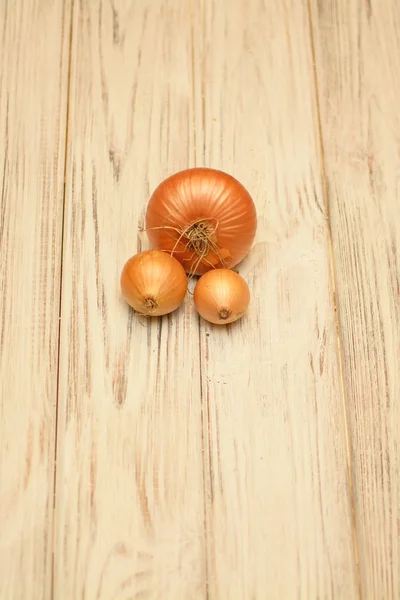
<point>157,392</point>
<point>101,293</point>
<point>210,444</point>
<point>311,360</point>
<point>148,337</point>
<point>393,266</point>
<point>72,407</point>
<point>358,261</point>
<point>317,203</point>
<point>104,93</point>
<point>379,333</point>
<point>139,245</point>
<point>3,236</point>
<point>115,161</point>
<point>96,237</point>
<point>140,477</point>
<point>208,489</point>
<point>88,358</point>
<point>73,362</point>
<point>4,179</point>
<point>321,6</point>
<point>118,35</point>
<point>130,116</point>
<point>120,379</point>
<point>322,352</point>
<point>117,156</point>
<point>368,6</point>
<point>170,333</point>
<point>300,202</point>
<point>317,322</point>
<point>373,318</point>
<point>159,334</point>
<point>93,481</point>
<point>73,208</point>
<point>45,256</point>
<point>115,26</point>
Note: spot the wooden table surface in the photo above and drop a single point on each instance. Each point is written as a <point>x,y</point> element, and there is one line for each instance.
<point>171,459</point>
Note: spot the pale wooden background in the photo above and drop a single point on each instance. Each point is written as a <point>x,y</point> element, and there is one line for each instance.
<point>172,459</point>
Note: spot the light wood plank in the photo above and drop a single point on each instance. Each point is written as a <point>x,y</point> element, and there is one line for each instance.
<point>357,56</point>
<point>130,509</point>
<point>278,513</point>
<point>34,42</point>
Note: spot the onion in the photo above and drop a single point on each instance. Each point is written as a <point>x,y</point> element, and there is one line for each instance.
<point>153,282</point>
<point>204,217</point>
<point>221,296</point>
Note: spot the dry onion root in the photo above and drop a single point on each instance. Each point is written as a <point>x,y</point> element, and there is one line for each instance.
<point>153,283</point>
<point>203,217</point>
<point>221,296</point>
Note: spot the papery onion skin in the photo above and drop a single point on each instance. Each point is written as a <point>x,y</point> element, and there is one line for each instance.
<point>221,296</point>
<point>153,283</point>
<point>211,198</point>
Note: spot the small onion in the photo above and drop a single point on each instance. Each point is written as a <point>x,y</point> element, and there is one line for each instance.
<point>153,282</point>
<point>204,217</point>
<point>221,296</point>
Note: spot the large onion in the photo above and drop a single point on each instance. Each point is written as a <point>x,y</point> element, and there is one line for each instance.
<point>204,217</point>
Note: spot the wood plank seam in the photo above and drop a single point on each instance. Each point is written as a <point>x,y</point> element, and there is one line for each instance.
<point>205,411</point>
<point>66,157</point>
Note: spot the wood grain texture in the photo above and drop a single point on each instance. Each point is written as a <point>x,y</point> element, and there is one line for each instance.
<point>33,77</point>
<point>130,507</point>
<point>278,512</point>
<point>198,462</point>
<point>357,54</point>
